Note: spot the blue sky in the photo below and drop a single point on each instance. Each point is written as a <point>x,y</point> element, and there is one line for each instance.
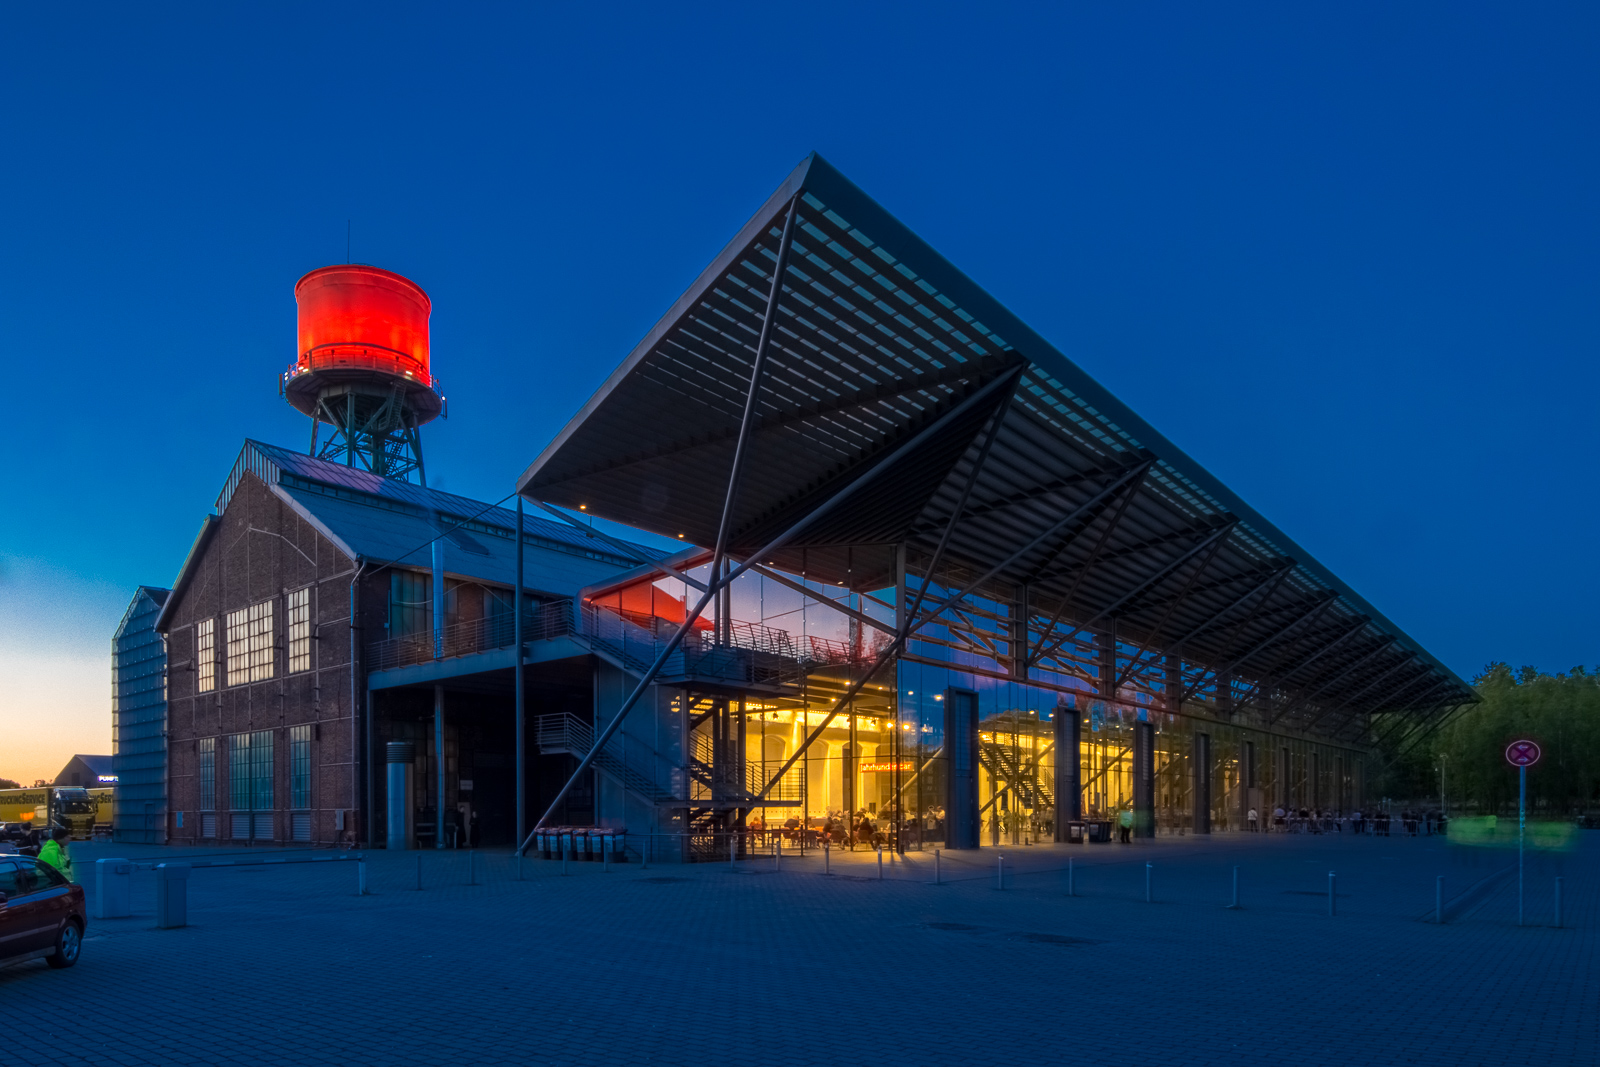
<point>1345,255</point>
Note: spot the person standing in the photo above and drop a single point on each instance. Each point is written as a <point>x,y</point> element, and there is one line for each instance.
<point>56,855</point>
<point>1253,819</point>
<point>1126,821</point>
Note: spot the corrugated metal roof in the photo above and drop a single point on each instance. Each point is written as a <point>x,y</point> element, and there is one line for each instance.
<point>478,551</point>
<point>390,521</point>
<point>877,336</point>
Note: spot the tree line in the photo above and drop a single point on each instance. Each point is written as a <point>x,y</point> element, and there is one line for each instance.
<point>1559,711</point>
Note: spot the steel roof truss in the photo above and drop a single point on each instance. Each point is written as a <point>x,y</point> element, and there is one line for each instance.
<point>1212,541</point>
<point>1351,700</point>
<point>1172,605</point>
<point>1328,601</point>
<point>1340,673</point>
<point>719,581</point>
<point>1134,485</point>
<point>991,431</point>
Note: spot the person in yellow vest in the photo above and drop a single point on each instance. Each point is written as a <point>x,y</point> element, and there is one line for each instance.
<point>1126,819</point>
<point>55,853</point>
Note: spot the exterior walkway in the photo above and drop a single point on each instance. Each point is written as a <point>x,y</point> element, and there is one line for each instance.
<point>764,966</point>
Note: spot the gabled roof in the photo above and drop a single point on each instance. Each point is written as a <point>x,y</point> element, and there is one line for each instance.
<point>877,337</point>
<point>96,764</point>
<point>385,521</point>
<point>154,595</point>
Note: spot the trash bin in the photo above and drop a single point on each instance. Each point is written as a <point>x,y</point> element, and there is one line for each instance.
<point>172,895</point>
<point>1075,833</point>
<point>1099,832</point>
<point>113,888</point>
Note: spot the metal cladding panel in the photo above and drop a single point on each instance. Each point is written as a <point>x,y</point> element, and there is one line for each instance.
<point>875,334</point>
<point>139,721</point>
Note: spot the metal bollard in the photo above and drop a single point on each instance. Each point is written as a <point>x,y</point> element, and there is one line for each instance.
<point>113,892</point>
<point>361,878</point>
<point>172,895</point>
<point>1558,903</point>
<point>1438,900</point>
<point>1070,891</point>
<point>1235,903</point>
<point>1000,871</point>
<point>1332,909</point>
<point>733,854</point>
<point>1147,897</point>
<point>472,867</point>
<point>827,866</point>
<point>519,866</point>
<point>419,870</point>
<point>777,855</point>
<point>565,855</point>
<point>936,867</point>
<point>605,856</point>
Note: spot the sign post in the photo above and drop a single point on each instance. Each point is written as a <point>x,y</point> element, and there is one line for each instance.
<point>1521,755</point>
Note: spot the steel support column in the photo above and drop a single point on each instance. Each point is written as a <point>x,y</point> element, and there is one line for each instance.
<point>438,761</point>
<point>1068,767</point>
<point>519,699</point>
<point>1144,779</point>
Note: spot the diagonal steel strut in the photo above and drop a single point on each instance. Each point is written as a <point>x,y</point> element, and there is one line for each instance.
<point>913,623</point>
<point>917,440</point>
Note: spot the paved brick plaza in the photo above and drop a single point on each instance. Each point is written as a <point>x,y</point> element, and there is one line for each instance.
<point>285,964</point>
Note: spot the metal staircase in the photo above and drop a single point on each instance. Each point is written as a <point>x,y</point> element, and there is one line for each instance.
<point>565,732</point>
<point>1020,772</point>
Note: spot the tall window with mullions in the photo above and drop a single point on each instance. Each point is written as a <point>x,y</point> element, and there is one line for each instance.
<point>207,771</point>
<point>300,782</point>
<point>299,604</point>
<point>411,603</point>
<point>250,785</point>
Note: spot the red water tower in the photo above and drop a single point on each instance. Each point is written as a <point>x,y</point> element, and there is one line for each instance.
<point>363,367</point>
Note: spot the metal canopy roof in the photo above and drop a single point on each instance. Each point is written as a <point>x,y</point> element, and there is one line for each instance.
<point>878,335</point>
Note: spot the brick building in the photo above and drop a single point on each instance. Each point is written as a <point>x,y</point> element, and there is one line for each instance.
<point>267,724</point>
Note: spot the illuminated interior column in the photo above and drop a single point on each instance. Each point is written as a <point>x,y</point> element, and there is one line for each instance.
<point>1200,764</point>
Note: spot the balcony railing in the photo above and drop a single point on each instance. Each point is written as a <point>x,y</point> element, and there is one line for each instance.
<point>757,655</point>
<point>469,638</point>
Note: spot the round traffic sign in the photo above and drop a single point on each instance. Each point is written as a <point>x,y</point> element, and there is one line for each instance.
<point>1522,753</point>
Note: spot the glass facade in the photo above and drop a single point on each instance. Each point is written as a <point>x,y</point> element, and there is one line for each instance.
<point>884,769</point>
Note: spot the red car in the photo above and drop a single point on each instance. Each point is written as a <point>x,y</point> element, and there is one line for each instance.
<point>41,913</point>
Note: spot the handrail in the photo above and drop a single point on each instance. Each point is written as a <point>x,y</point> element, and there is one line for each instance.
<point>754,654</point>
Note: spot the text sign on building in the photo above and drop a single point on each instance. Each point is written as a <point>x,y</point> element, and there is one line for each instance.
<point>1522,753</point>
